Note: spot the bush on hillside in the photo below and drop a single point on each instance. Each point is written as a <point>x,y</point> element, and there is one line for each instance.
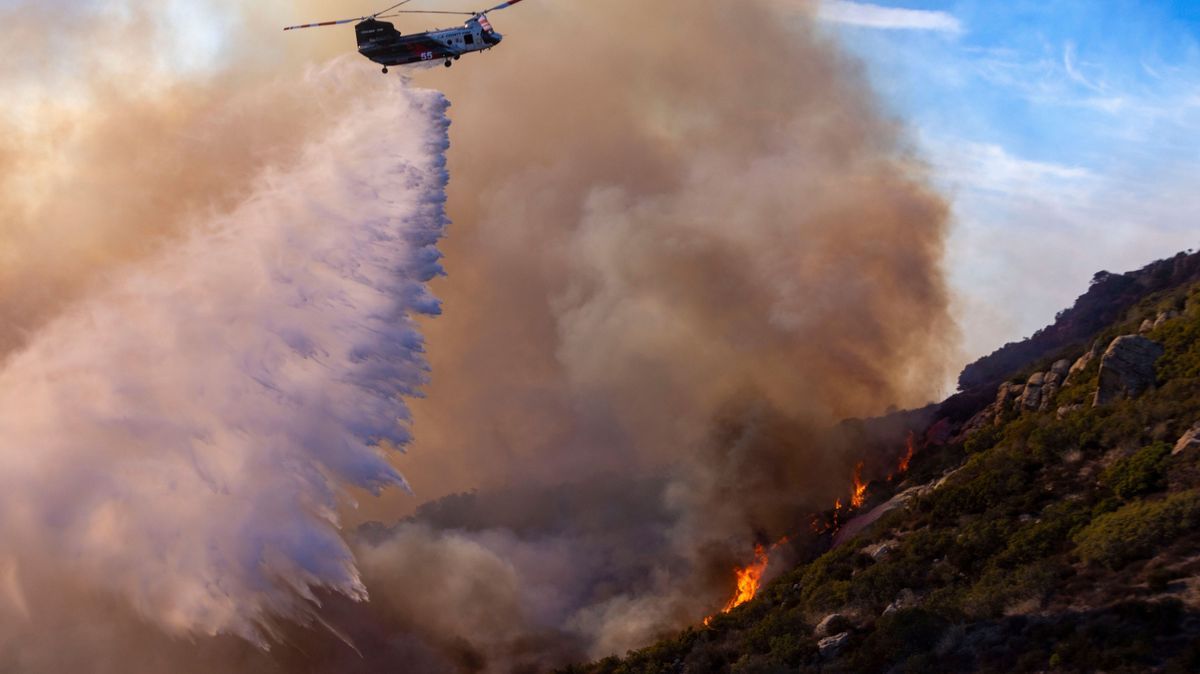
<point>1136,530</point>
<point>1141,473</point>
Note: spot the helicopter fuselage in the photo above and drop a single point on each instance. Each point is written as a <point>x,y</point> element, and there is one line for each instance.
<point>383,44</point>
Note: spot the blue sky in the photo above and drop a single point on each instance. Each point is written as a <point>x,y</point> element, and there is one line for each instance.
<point>1065,132</point>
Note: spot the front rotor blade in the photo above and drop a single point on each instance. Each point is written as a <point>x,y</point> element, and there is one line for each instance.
<point>422,11</point>
<point>327,23</point>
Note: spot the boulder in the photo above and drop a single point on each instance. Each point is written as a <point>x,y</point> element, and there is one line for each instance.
<point>1061,367</point>
<point>1164,317</point>
<point>1127,368</point>
<point>831,624</point>
<point>1188,441</point>
<point>1006,397</point>
<point>878,551</point>
<point>1052,383</point>
<point>1086,359</point>
<point>1147,326</point>
<point>830,647</point>
<point>1031,395</point>
<point>905,599</point>
<point>1063,411</point>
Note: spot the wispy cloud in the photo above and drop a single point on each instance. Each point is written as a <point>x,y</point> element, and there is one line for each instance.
<point>1072,67</point>
<point>992,168</point>
<point>866,15</point>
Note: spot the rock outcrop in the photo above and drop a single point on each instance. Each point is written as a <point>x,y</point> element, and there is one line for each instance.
<point>1036,394</point>
<point>1164,317</point>
<point>830,647</point>
<point>1031,395</point>
<point>1189,441</point>
<point>1052,381</point>
<point>1086,359</point>
<point>1127,368</point>
<point>832,624</point>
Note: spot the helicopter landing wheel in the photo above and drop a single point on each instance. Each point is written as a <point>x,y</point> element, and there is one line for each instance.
<point>457,57</point>
<point>449,63</point>
<point>385,70</point>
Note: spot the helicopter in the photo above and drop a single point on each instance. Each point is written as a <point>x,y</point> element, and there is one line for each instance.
<point>383,44</point>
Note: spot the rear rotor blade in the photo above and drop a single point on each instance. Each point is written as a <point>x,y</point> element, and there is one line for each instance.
<point>404,2</point>
<point>502,5</point>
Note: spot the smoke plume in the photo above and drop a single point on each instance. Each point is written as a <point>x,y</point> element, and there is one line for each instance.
<point>687,243</point>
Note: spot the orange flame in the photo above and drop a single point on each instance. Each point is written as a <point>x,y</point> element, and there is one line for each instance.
<point>860,489</point>
<point>749,577</point>
<point>912,448</point>
<point>911,445</point>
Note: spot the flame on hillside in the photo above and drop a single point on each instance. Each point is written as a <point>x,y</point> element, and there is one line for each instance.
<point>909,449</point>
<point>831,523</point>
<point>860,488</point>
<point>749,577</point>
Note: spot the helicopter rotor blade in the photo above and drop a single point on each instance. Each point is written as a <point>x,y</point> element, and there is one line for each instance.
<point>398,4</point>
<point>342,21</point>
<point>420,11</point>
<point>392,11</point>
<point>326,23</point>
<point>500,6</point>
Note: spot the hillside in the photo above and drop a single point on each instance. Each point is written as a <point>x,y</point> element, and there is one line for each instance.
<point>1047,521</point>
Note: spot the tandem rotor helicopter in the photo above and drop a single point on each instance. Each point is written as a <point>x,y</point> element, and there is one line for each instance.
<point>383,44</point>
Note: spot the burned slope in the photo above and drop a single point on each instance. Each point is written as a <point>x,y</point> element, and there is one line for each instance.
<point>1054,530</point>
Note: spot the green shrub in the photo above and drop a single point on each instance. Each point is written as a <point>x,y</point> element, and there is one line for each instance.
<point>984,439</point>
<point>977,541</point>
<point>1136,530</point>
<point>1000,478</point>
<point>898,637</point>
<point>998,588</point>
<point>1182,341</point>
<point>1141,473</point>
<point>1046,537</point>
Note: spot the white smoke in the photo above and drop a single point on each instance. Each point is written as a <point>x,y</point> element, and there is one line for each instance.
<point>182,437</point>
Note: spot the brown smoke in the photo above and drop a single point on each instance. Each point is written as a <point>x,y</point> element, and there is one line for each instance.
<point>687,242</point>
<point>112,147</point>
<point>660,206</point>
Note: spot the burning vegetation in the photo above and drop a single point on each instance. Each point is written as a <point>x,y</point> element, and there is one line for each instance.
<point>910,449</point>
<point>749,577</point>
<point>860,488</point>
